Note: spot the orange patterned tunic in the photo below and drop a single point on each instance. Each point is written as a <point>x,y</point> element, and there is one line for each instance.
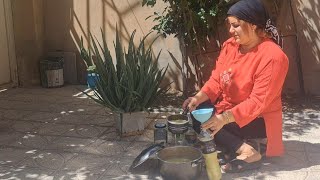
<point>250,85</point>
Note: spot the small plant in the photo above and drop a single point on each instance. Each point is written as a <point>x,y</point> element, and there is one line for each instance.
<point>133,83</point>
<point>91,69</point>
<point>193,22</point>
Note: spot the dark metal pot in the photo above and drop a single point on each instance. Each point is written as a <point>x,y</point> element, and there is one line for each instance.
<point>178,123</point>
<point>180,163</point>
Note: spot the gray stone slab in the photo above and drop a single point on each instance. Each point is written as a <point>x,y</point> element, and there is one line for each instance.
<point>59,133</point>
<point>12,156</point>
<point>104,111</point>
<point>291,161</point>
<point>6,126</point>
<point>69,144</point>
<point>127,138</point>
<point>47,160</point>
<point>81,109</point>
<point>103,120</point>
<point>84,100</point>
<point>248,175</point>
<point>49,117</point>
<point>312,147</point>
<point>107,148</point>
<point>31,141</point>
<point>5,104</point>
<point>86,131</point>
<point>27,106</point>
<point>134,149</point>
<point>112,135</point>
<point>46,107</point>
<point>89,162</point>
<point>147,136</point>
<point>25,126</point>
<point>13,114</point>
<point>54,129</point>
<point>313,175</point>
<point>9,138</point>
<point>314,161</point>
<point>79,174</point>
<point>30,98</point>
<point>67,118</point>
<point>118,167</point>
<point>294,145</point>
<point>129,176</point>
<point>24,173</point>
<point>311,138</point>
<point>283,175</point>
<point>1,113</point>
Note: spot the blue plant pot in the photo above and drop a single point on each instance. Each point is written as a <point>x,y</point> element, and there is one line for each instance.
<point>91,79</point>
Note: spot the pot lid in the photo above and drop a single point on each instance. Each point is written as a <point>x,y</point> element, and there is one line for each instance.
<point>145,154</point>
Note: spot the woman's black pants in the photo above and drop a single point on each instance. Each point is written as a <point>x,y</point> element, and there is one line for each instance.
<point>231,136</point>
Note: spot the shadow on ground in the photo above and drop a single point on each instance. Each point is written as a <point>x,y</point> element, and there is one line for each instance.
<point>300,115</point>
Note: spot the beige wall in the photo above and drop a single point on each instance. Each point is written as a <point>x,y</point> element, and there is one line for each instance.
<point>67,20</point>
<point>41,26</point>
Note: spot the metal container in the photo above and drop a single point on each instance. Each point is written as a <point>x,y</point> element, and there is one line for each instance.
<point>51,72</point>
<point>160,133</point>
<point>178,123</point>
<point>180,162</point>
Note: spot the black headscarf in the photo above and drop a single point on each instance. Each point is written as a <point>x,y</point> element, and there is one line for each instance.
<point>253,11</point>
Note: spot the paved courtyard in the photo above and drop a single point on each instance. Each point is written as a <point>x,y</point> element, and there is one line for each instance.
<point>59,134</point>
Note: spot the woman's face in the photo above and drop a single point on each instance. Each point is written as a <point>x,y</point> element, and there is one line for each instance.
<point>240,30</point>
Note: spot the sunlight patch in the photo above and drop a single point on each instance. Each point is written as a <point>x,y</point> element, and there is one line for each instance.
<point>28,136</point>
<point>3,90</point>
<point>31,152</point>
<point>38,176</point>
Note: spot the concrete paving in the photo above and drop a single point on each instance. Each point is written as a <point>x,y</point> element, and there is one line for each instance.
<point>59,134</point>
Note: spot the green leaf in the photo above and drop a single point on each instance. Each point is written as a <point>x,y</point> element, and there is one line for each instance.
<point>131,84</point>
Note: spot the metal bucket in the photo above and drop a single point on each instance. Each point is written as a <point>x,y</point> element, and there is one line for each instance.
<point>180,162</point>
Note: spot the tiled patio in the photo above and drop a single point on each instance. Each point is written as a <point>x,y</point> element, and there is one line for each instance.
<point>59,134</point>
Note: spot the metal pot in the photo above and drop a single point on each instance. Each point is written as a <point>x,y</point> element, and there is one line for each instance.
<point>178,123</point>
<point>180,162</point>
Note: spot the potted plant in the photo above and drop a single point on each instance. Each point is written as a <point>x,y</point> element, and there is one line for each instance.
<point>92,76</point>
<point>128,83</point>
<point>86,56</point>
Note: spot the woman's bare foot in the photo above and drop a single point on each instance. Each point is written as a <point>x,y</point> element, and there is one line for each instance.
<point>248,154</point>
<point>247,159</point>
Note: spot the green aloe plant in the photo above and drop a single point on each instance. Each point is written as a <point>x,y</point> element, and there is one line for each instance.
<point>133,83</point>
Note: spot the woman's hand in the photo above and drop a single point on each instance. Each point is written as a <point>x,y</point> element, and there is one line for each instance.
<point>191,103</point>
<point>214,124</point>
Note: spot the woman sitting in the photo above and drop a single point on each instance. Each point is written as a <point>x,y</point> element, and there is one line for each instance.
<point>245,87</point>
